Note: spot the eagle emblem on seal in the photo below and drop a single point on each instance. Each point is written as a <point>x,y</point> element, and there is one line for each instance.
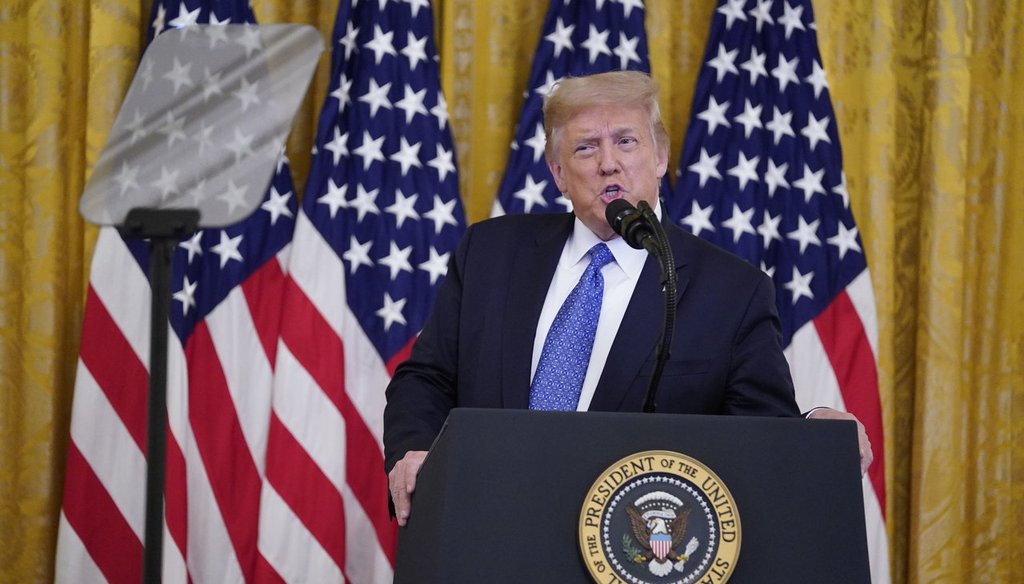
<point>659,521</point>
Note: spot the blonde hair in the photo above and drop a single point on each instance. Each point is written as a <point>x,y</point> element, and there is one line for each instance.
<point>621,88</point>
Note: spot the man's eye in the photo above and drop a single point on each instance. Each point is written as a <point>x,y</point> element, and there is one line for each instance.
<point>627,140</point>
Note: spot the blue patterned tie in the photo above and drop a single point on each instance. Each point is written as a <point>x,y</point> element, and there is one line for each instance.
<point>566,354</point>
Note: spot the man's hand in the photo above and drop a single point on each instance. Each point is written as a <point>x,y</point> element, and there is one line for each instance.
<point>862,436</point>
<point>402,482</point>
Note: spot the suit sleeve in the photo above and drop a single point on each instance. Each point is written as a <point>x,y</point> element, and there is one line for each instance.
<point>423,389</point>
<point>759,380</point>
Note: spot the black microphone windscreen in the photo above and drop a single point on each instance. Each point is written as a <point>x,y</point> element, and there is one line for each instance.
<point>616,211</point>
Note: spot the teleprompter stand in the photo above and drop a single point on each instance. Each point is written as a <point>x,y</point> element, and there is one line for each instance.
<point>185,154</point>
<point>499,496</point>
<point>164,228</point>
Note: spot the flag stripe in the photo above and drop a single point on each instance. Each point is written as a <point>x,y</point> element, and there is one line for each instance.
<point>119,465</point>
<point>814,379</point>
<point>863,298</point>
<point>310,339</point>
<point>265,573</point>
<point>853,362</point>
<point>400,356</point>
<point>108,356</point>
<point>174,568</point>
<point>310,343</point>
<point>112,544</point>
<point>291,550</point>
<point>72,552</point>
<point>176,496</point>
<point>318,427</point>
<point>311,418</point>
<point>123,287</point>
<point>176,484</point>
<point>238,350</point>
<point>319,508</point>
<point>211,555</point>
<point>878,539</point>
<point>263,295</point>
<point>364,563</point>
<point>320,275</point>
<point>234,478</point>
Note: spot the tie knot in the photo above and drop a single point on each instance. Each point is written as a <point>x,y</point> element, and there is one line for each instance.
<point>600,255</point>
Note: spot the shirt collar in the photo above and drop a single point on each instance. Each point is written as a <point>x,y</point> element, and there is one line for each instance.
<point>629,259</point>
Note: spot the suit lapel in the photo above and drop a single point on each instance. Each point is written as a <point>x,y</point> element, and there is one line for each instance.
<point>638,335</point>
<point>532,270</point>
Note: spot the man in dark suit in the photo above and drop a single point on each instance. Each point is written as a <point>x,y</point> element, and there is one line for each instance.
<point>507,330</point>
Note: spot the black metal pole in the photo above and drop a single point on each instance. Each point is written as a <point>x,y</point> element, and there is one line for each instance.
<point>163,228</point>
<point>669,288</point>
<point>160,254</point>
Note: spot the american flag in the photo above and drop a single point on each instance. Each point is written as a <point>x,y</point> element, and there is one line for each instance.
<point>579,38</point>
<point>761,175</point>
<point>225,315</point>
<point>380,217</point>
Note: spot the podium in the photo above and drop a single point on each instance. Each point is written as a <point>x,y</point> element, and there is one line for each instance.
<point>500,495</point>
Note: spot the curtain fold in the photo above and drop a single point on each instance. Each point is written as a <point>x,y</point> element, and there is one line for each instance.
<point>63,70</point>
<point>929,100</point>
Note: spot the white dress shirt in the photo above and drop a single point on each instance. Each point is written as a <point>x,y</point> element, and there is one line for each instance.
<point>620,278</point>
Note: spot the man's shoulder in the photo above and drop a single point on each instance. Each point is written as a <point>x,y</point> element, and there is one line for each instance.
<point>519,226</point>
<point>702,255</point>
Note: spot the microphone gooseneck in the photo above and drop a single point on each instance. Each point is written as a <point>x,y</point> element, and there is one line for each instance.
<point>640,228</point>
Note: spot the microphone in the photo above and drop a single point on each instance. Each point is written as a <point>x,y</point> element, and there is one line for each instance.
<point>640,228</point>
<point>633,225</point>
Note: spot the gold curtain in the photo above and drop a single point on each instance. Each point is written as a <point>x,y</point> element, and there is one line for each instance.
<point>929,99</point>
<point>64,67</point>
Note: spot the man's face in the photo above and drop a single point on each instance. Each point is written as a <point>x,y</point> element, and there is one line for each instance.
<point>605,153</point>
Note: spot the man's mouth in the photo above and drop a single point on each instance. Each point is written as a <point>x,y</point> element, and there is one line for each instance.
<point>611,193</point>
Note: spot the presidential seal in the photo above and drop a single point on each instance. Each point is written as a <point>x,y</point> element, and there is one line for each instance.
<point>659,517</point>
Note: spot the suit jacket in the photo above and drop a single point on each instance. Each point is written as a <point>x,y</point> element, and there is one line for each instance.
<point>476,348</point>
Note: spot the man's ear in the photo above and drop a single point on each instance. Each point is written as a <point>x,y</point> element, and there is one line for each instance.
<point>556,173</point>
<point>662,162</point>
